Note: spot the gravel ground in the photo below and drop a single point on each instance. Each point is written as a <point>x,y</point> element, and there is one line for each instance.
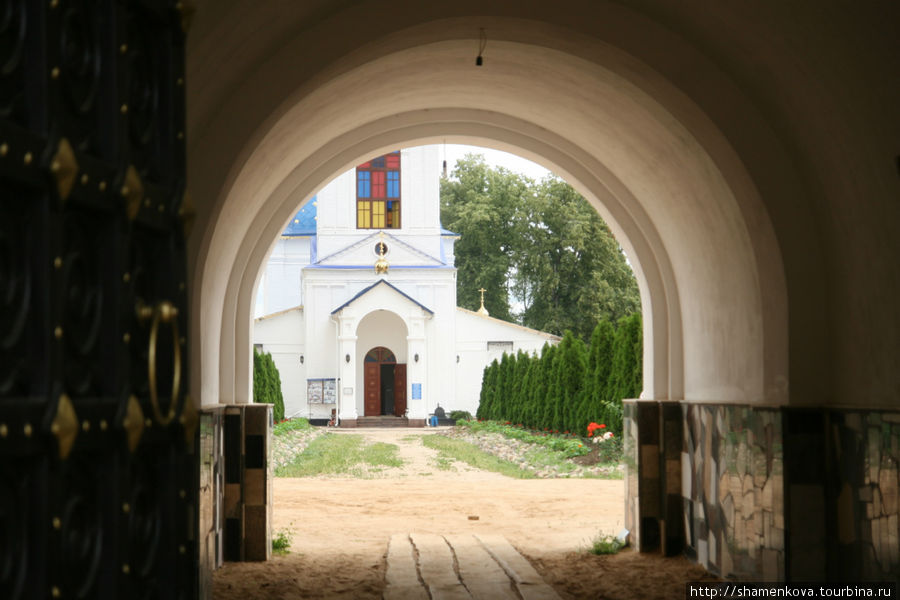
<point>286,446</point>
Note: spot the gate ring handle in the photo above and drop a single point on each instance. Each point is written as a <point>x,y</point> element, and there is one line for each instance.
<point>165,312</point>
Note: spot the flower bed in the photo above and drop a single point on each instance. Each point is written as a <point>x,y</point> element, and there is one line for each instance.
<point>546,454</point>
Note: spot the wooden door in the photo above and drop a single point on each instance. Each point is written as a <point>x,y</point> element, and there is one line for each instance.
<point>373,389</point>
<point>399,390</point>
<point>98,471</point>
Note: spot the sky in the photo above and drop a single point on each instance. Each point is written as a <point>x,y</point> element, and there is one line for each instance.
<point>495,158</point>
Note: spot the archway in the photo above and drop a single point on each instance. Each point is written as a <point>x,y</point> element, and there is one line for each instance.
<point>650,130</point>
<point>682,220</point>
<point>693,226</point>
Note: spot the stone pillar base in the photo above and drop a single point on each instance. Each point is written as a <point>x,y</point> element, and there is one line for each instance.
<point>248,482</point>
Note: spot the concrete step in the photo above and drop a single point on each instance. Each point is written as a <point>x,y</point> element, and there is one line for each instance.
<point>382,421</point>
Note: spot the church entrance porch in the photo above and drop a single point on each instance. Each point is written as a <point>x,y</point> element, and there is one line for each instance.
<point>384,383</point>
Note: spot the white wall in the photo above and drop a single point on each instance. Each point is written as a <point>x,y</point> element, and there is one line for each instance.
<point>473,331</point>
<point>282,337</point>
<point>279,288</point>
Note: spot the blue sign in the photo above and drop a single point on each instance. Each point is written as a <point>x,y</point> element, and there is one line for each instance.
<point>417,391</point>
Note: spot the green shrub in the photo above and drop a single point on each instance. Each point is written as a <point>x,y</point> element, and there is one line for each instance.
<point>267,383</point>
<point>281,541</point>
<point>605,544</point>
<point>461,415</point>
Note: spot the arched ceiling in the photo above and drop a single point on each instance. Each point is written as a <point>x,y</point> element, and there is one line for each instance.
<point>691,124</point>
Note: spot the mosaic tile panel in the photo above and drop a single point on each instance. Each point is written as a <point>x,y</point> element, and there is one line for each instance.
<point>733,490</point>
<point>630,458</point>
<point>653,475</point>
<point>210,498</point>
<point>672,534</point>
<point>864,485</point>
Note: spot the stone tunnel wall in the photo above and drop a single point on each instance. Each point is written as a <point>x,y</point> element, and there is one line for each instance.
<point>766,493</point>
<point>733,490</point>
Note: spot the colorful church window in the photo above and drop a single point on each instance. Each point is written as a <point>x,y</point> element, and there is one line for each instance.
<point>378,193</point>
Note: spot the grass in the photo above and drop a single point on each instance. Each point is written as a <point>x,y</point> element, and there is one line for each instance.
<point>340,454</point>
<point>292,425</point>
<point>451,449</point>
<point>569,444</point>
<point>281,541</point>
<point>605,544</point>
<point>542,458</point>
<point>443,463</point>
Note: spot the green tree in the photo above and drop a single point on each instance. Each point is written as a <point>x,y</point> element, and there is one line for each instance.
<point>267,383</point>
<point>553,391</point>
<point>488,386</point>
<point>514,414</point>
<point>540,244</point>
<point>479,203</point>
<point>570,272</point>
<point>626,376</point>
<point>571,364</point>
<point>526,395</point>
<point>597,374</point>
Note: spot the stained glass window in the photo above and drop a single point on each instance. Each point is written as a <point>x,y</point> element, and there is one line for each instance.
<point>378,193</point>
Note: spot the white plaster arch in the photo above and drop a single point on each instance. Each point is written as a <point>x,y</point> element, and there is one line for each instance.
<point>707,260</point>
<point>397,346</point>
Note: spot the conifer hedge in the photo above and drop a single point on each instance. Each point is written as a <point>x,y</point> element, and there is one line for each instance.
<point>267,383</point>
<point>568,385</point>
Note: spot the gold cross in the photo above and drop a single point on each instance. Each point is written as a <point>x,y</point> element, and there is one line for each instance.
<point>482,290</point>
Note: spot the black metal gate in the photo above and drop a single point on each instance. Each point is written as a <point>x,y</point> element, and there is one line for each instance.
<point>97,469</point>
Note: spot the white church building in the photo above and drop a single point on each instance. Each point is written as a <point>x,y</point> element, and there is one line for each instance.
<point>357,302</point>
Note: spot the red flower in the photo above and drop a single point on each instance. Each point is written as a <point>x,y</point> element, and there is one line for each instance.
<point>593,427</point>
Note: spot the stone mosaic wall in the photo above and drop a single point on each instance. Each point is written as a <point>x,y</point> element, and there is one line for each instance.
<point>210,498</point>
<point>865,478</point>
<point>733,490</point>
<point>795,494</point>
<point>630,458</point>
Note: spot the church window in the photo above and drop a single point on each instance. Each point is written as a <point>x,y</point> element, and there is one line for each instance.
<point>363,184</point>
<point>378,193</point>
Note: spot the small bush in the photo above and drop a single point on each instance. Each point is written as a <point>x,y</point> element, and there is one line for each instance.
<point>605,544</point>
<point>460,415</point>
<point>281,541</point>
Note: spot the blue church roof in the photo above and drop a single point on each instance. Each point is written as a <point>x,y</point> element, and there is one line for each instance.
<point>304,222</point>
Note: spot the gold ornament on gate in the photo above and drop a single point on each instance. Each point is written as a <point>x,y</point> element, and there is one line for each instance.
<point>133,423</point>
<point>64,167</point>
<point>165,312</point>
<point>65,425</point>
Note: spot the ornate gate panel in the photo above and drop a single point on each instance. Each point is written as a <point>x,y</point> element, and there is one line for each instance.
<point>98,477</point>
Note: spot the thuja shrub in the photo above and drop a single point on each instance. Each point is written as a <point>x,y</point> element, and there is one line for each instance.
<point>267,383</point>
<point>569,385</point>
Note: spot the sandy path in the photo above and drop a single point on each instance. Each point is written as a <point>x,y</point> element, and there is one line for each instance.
<point>341,527</point>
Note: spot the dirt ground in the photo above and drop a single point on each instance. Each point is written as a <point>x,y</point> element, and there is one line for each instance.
<point>341,528</point>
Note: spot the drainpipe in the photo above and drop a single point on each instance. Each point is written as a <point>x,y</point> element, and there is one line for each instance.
<point>337,371</point>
